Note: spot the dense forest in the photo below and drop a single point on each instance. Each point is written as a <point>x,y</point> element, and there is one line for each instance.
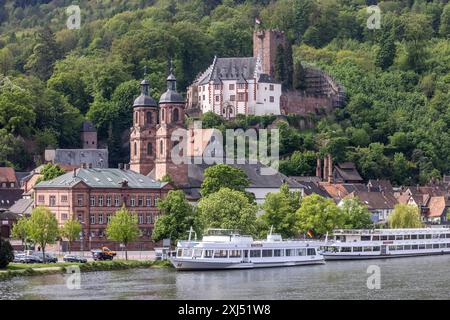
<point>396,122</point>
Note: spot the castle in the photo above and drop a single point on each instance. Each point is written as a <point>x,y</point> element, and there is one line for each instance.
<point>232,86</point>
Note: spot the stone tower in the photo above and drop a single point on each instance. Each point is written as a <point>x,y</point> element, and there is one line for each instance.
<point>265,43</point>
<point>143,132</point>
<point>88,135</point>
<point>172,113</point>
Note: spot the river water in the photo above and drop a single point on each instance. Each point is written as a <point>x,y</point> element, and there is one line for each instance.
<point>403,278</point>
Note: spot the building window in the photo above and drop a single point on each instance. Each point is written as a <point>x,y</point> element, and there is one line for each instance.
<point>100,218</point>
<point>52,201</point>
<point>80,217</point>
<point>148,201</point>
<point>217,87</point>
<point>162,115</point>
<point>136,118</point>
<point>231,86</point>
<point>92,218</point>
<point>63,216</point>
<point>140,201</point>
<point>204,97</point>
<point>241,97</point>
<point>149,218</point>
<point>141,218</point>
<point>64,198</point>
<point>108,218</point>
<point>135,149</point>
<point>12,185</point>
<point>217,98</point>
<point>80,199</point>
<point>271,87</point>
<point>100,201</point>
<point>149,149</point>
<point>156,201</point>
<point>175,115</point>
<point>132,201</point>
<point>161,147</point>
<point>92,201</point>
<point>108,201</point>
<point>149,118</point>
<point>241,86</point>
<point>117,201</point>
<point>232,97</point>
<point>272,99</point>
<point>41,199</point>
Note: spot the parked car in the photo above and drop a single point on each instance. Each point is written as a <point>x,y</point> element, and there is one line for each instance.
<point>73,258</point>
<point>49,257</point>
<point>24,258</point>
<point>106,250</point>
<point>101,255</point>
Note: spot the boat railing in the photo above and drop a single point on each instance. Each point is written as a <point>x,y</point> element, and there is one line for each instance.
<point>389,231</point>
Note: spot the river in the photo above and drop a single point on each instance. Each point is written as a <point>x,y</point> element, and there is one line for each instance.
<point>403,278</point>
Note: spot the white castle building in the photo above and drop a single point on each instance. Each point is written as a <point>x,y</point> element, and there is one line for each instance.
<point>232,86</point>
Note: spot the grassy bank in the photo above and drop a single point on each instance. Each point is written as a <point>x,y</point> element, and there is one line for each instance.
<point>18,269</point>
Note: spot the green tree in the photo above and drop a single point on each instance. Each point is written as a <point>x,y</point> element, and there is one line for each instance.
<point>444,29</point>
<point>43,227</point>
<point>50,171</point>
<point>71,231</point>
<point>298,80</point>
<point>212,120</point>
<point>6,253</point>
<point>228,209</point>
<point>279,211</point>
<point>355,215</point>
<point>318,214</point>
<point>386,54</point>
<point>299,164</point>
<point>177,217</point>
<point>223,176</point>
<point>280,66</point>
<point>405,216</point>
<point>302,11</point>
<point>123,228</point>
<point>20,230</point>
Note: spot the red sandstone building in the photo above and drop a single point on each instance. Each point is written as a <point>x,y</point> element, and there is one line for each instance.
<point>92,196</point>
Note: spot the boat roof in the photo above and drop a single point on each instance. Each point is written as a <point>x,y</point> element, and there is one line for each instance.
<point>389,231</point>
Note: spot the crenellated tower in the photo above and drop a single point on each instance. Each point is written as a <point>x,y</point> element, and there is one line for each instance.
<point>143,132</point>
<point>172,115</point>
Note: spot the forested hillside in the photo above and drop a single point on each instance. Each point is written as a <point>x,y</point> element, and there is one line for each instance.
<point>396,123</point>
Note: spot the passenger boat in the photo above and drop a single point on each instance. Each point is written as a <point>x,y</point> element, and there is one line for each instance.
<point>225,249</point>
<point>386,243</point>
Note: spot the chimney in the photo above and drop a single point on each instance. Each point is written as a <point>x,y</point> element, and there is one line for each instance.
<point>319,168</point>
<point>74,172</point>
<point>325,168</point>
<point>330,168</point>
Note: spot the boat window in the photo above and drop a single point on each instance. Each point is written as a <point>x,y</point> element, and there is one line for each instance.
<point>421,246</point>
<point>392,248</point>
<point>391,238</point>
<point>399,247</point>
<point>413,236</point>
<point>365,238</point>
<point>414,247</point>
<point>442,245</point>
<point>442,236</point>
<point>399,237</point>
<point>235,253</point>
<point>421,236</point>
<point>357,249</point>
<point>429,246</point>
<point>311,252</point>
<point>407,237</point>
<point>277,253</point>
<point>428,236</point>
<point>448,245</point>
<point>187,253</point>
<point>266,253</point>
<point>198,253</point>
<point>300,252</point>
<point>376,248</point>
<point>367,249</point>
<point>447,235</point>
<point>376,238</point>
<point>179,253</point>
<point>290,252</point>
<point>255,253</point>
<point>407,247</point>
<point>346,249</point>
<point>220,253</point>
<point>208,254</point>
<point>384,237</point>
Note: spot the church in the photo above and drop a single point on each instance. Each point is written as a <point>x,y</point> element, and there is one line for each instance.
<point>232,86</point>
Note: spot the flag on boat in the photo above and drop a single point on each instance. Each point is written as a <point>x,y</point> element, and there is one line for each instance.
<point>310,233</point>
<point>257,20</point>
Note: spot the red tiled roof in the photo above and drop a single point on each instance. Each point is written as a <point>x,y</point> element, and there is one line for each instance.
<point>436,206</point>
<point>7,174</point>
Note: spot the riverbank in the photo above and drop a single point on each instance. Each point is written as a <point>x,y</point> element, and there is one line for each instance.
<point>18,269</point>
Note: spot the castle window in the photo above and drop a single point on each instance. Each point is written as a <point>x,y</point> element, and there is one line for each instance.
<point>136,119</point>
<point>231,86</point>
<point>271,87</point>
<point>175,115</point>
<point>241,86</point>
<point>162,115</point>
<point>233,98</point>
<point>241,97</point>
<point>135,149</point>
<point>217,86</point>
<point>149,149</point>
<point>272,99</point>
<point>149,118</point>
<point>161,145</point>
<point>217,98</point>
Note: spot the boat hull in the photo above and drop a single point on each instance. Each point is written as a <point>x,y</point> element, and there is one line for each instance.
<point>329,257</point>
<point>186,264</point>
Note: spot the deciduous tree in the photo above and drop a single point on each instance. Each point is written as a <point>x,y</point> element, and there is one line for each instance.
<point>123,228</point>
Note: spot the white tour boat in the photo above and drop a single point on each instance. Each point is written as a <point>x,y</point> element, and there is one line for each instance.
<point>386,243</point>
<point>224,249</point>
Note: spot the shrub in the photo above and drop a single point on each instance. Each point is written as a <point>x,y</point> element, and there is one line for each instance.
<point>6,253</point>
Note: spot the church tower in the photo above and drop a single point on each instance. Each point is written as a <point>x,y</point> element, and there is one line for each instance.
<point>143,132</point>
<point>172,113</point>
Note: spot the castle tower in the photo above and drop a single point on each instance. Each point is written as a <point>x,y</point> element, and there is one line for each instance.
<point>88,135</point>
<point>172,114</point>
<point>265,44</point>
<point>143,132</point>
